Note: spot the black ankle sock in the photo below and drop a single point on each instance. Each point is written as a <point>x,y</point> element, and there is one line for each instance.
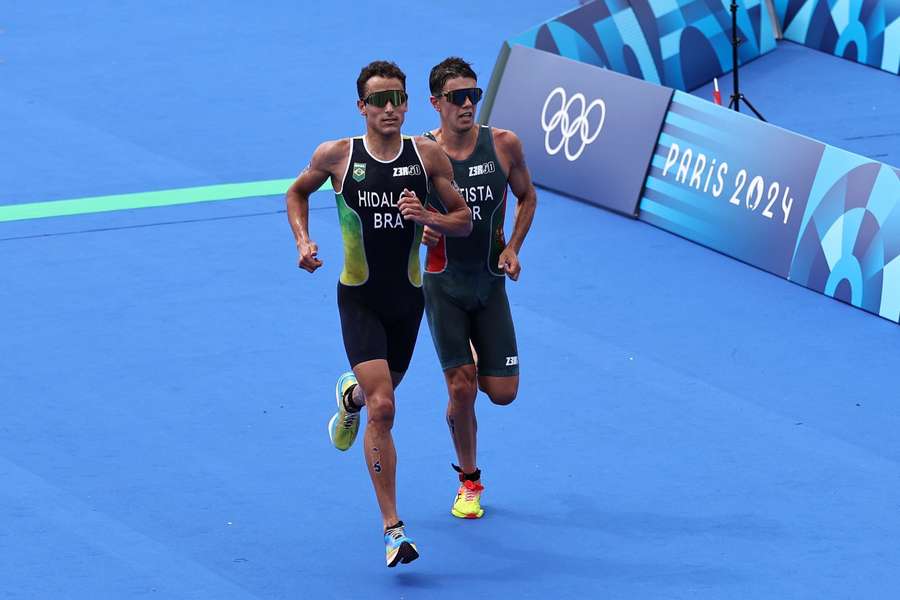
<point>349,406</point>
<point>394,526</point>
<point>473,476</point>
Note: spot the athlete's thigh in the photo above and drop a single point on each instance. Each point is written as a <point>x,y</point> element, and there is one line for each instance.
<point>494,336</point>
<point>365,337</point>
<point>449,324</point>
<point>403,329</point>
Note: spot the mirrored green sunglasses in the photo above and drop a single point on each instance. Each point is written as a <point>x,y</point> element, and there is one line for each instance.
<point>380,99</point>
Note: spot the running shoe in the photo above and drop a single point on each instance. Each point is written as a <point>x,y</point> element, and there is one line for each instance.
<point>344,425</point>
<point>467,504</point>
<point>399,547</point>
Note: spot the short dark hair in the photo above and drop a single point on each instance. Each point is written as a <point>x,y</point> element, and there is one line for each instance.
<point>378,68</point>
<point>449,68</point>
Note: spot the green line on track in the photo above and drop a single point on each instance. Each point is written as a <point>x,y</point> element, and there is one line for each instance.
<point>96,204</point>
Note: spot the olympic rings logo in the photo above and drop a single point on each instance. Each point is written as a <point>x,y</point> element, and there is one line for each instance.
<point>580,125</point>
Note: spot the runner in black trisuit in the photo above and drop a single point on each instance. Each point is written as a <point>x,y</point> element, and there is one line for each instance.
<point>465,293</point>
<point>380,182</point>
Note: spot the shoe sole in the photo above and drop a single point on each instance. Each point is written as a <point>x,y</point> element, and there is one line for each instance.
<point>330,425</point>
<point>405,554</point>
<point>463,515</point>
<point>339,399</point>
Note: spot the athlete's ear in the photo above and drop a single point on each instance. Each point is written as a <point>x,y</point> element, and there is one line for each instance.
<point>361,105</point>
<point>435,102</point>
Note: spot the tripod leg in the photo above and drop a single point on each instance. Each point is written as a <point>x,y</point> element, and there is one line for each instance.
<point>756,112</point>
<point>734,103</point>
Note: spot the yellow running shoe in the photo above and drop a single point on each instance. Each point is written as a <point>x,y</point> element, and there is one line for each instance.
<point>344,425</point>
<point>468,500</point>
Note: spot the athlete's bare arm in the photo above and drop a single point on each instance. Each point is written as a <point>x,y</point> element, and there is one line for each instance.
<point>509,151</point>
<point>329,160</point>
<point>458,220</point>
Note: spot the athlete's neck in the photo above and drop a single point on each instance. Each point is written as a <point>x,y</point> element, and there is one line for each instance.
<point>383,147</point>
<point>458,145</point>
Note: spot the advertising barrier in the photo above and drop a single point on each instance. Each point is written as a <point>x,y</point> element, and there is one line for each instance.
<point>866,31</point>
<point>677,43</point>
<point>587,132</point>
<point>729,182</point>
<point>817,215</point>
<point>849,242</point>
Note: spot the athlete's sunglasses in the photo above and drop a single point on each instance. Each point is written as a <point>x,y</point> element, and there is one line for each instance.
<point>380,99</point>
<point>458,97</point>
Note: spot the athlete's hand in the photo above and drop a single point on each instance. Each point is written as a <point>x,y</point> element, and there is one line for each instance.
<point>411,207</point>
<point>309,260</point>
<point>430,237</point>
<point>509,263</point>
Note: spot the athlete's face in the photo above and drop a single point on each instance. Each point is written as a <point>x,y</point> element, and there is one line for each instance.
<point>457,118</point>
<point>385,120</point>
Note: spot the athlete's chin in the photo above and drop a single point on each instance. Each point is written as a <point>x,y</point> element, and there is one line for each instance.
<point>390,128</point>
<point>464,124</point>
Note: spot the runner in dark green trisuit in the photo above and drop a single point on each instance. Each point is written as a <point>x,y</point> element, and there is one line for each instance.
<point>465,287</point>
<point>380,182</point>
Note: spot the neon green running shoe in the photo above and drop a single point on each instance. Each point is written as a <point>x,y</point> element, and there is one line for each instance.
<point>344,425</point>
<point>468,500</point>
<point>399,547</point>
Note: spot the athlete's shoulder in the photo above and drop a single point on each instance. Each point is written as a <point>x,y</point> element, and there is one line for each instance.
<point>426,141</point>
<point>505,138</point>
<point>430,151</point>
<point>507,144</point>
<point>331,153</point>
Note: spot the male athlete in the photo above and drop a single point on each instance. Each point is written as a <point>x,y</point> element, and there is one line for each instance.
<point>465,288</point>
<point>380,181</point>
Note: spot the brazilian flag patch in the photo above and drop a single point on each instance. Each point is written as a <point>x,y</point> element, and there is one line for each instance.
<point>359,171</point>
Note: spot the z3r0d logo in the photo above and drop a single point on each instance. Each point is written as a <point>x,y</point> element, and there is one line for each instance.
<point>578,122</point>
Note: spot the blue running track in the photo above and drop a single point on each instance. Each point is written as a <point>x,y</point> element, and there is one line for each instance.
<point>687,427</point>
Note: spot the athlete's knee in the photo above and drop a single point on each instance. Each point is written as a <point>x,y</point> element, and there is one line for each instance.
<point>503,398</point>
<point>462,387</point>
<point>380,410</point>
<point>501,392</point>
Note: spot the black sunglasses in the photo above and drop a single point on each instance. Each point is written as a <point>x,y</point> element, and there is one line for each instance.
<point>458,97</point>
<point>380,99</point>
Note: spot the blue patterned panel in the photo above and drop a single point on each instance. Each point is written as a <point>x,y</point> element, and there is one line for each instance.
<point>866,31</point>
<point>677,43</point>
<point>849,242</point>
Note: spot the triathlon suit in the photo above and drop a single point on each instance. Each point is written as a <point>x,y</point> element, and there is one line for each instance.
<point>465,291</point>
<point>380,289</point>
